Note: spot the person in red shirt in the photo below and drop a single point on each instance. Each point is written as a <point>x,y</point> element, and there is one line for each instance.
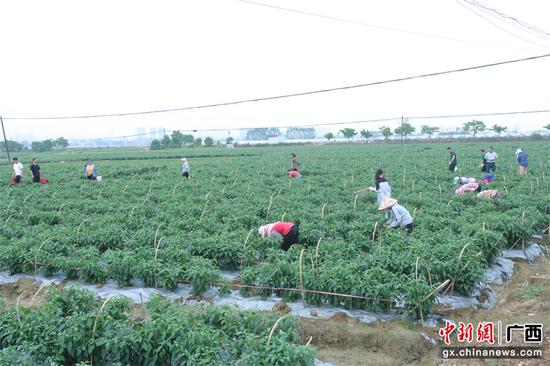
<point>288,231</point>
<point>294,174</point>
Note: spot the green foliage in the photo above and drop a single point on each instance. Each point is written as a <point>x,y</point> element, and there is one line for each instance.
<point>386,132</point>
<point>155,145</point>
<point>404,130</point>
<point>197,142</point>
<point>498,129</point>
<point>474,126</point>
<point>41,146</point>
<point>348,133</point>
<point>63,333</point>
<point>365,134</point>
<point>429,130</point>
<point>13,146</point>
<point>208,141</point>
<point>531,292</point>
<point>329,136</point>
<point>148,225</point>
<point>229,140</point>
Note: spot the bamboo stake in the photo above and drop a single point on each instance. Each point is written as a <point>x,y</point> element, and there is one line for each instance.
<point>273,329</point>
<point>301,277</point>
<point>440,190</point>
<point>244,246</point>
<point>26,198</point>
<point>269,206</point>
<point>9,206</point>
<point>416,267</point>
<point>132,211</point>
<point>323,210</point>
<point>437,289</point>
<point>157,232</point>
<point>44,285</point>
<point>36,256</point>
<point>317,253</point>
<point>283,217</point>
<point>9,217</point>
<point>82,222</point>
<point>355,202</point>
<point>374,230</point>
<point>280,190</point>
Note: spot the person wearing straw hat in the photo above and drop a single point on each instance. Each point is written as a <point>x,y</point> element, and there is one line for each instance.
<point>489,194</point>
<point>523,160</point>
<point>399,216</point>
<point>185,168</point>
<point>288,231</point>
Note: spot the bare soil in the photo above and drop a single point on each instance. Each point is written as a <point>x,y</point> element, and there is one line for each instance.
<point>346,341</point>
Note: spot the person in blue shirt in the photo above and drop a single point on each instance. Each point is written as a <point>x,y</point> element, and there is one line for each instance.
<point>523,160</point>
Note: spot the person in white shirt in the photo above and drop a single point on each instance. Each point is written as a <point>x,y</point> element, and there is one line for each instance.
<point>491,158</point>
<point>185,169</point>
<point>17,171</point>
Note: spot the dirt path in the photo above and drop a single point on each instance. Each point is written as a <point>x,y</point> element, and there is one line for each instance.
<point>348,342</point>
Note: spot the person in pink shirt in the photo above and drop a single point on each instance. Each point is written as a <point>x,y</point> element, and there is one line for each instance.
<point>294,174</point>
<point>288,231</point>
<point>468,187</point>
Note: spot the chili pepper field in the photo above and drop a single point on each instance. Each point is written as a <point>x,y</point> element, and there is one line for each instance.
<point>143,222</point>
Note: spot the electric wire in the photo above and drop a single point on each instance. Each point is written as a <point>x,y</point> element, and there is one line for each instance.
<point>310,124</point>
<point>291,95</point>
<point>371,25</point>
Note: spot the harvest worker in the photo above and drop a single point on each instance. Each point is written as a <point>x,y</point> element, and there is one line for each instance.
<point>294,174</point>
<point>523,160</point>
<point>468,187</point>
<point>35,171</point>
<point>491,158</point>
<point>185,168</point>
<point>288,231</point>
<point>483,163</point>
<point>17,171</point>
<point>399,216</point>
<point>492,194</point>
<point>463,180</point>
<point>489,178</point>
<point>452,162</point>
<point>90,171</point>
<point>381,186</point>
<point>294,165</point>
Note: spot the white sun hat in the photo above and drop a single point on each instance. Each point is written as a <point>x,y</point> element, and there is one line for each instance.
<point>387,203</point>
<point>183,159</point>
<point>518,151</point>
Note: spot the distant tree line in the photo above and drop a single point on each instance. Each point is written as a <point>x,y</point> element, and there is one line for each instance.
<point>178,140</point>
<point>38,146</point>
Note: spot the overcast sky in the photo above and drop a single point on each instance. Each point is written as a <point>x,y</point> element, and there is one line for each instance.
<point>71,57</point>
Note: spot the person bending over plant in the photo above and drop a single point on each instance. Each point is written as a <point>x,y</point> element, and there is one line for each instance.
<point>399,216</point>
<point>288,231</point>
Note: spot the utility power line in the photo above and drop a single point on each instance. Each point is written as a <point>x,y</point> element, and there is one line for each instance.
<point>284,96</point>
<point>498,26</point>
<point>311,124</point>
<point>355,22</point>
<point>520,24</point>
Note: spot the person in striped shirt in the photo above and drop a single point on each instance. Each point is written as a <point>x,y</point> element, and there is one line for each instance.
<point>287,231</point>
